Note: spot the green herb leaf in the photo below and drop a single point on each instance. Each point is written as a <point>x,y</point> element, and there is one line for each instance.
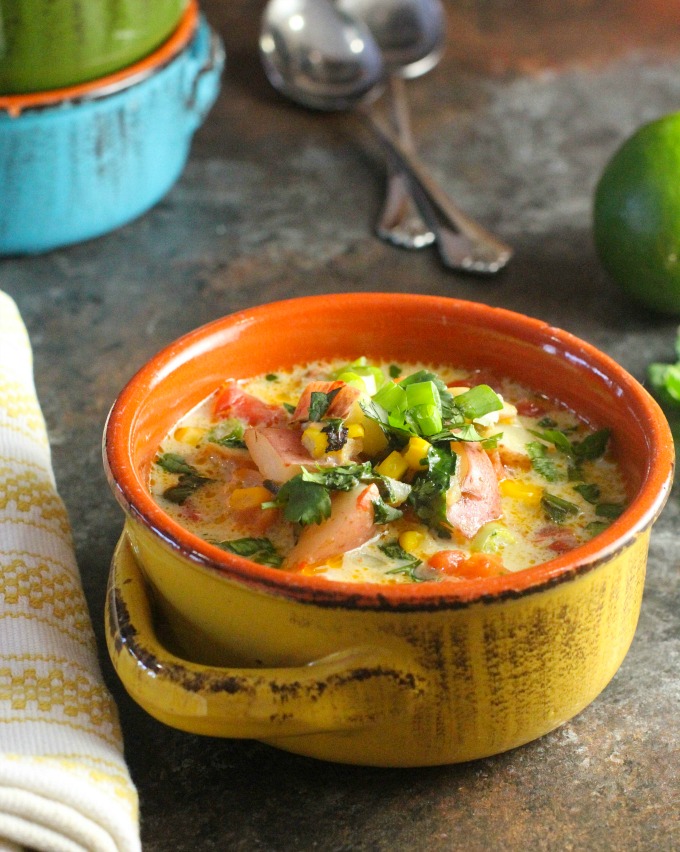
<point>557,438</point>
<point>336,435</point>
<point>544,466</point>
<point>186,485</point>
<point>428,491</point>
<point>593,446</point>
<point>174,463</point>
<point>609,510</point>
<point>407,562</point>
<point>589,491</point>
<point>394,371</point>
<point>303,502</point>
<point>340,478</point>
<point>260,550</point>
<point>384,513</point>
<point>319,403</point>
<point>228,433</point>
<point>558,509</point>
<point>595,527</point>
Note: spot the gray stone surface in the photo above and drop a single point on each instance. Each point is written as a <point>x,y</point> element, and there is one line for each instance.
<point>274,202</point>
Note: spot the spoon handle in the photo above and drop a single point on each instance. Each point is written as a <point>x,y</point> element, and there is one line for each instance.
<point>463,244</point>
<point>400,221</point>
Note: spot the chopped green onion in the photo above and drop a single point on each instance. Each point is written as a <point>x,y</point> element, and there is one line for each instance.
<point>391,397</point>
<point>422,393</point>
<point>427,418</point>
<point>478,401</point>
<point>491,538</point>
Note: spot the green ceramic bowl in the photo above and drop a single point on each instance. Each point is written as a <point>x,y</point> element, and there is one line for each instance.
<point>49,44</point>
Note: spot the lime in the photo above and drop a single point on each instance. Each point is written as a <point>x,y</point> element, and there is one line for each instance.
<point>636,215</point>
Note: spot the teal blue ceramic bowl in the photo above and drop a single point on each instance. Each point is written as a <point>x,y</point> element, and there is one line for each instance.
<point>77,163</point>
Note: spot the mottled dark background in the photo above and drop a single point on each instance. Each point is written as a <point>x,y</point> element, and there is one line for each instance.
<point>517,122</point>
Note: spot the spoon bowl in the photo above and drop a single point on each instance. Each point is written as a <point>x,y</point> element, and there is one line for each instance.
<point>321,58</point>
<point>410,33</point>
<point>318,56</point>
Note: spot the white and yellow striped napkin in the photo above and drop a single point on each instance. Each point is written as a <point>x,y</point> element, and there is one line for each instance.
<point>64,784</point>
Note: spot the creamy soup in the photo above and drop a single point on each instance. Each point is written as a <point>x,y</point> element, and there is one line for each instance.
<point>387,473</point>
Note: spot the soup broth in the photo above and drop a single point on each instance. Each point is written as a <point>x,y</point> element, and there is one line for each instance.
<point>387,473</point>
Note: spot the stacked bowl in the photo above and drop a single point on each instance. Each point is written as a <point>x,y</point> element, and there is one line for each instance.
<point>98,105</point>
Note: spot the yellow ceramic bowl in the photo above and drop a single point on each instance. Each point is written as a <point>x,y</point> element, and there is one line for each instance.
<point>402,675</point>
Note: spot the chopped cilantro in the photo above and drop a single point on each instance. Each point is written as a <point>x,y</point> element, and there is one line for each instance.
<point>557,438</point>
<point>174,463</point>
<point>557,509</point>
<point>609,510</point>
<point>394,371</point>
<point>383,513</point>
<point>540,462</point>
<point>320,402</point>
<point>593,446</point>
<point>260,550</point>
<point>306,499</point>
<point>407,562</point>
<point>189,478</point>
<point>589,491</point>
<point>272,377</point>
<point>303,502</point>
<point>429,487</point>
<point>340,478</point>
<point>595,527</point>
<point>336,435</point>
<point>228,433</point>
<point>185,487</point>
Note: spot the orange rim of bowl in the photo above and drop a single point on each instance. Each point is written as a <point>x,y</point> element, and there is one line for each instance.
<point>128,76</point>
<point>136,500</point>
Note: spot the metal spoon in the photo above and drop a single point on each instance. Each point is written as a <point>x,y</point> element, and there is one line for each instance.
<point>411,36</point>
<point>321,58</point>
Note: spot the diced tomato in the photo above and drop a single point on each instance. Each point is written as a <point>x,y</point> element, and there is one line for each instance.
<point>480,565</point>
<point>447,561</point>
<point>466,566</point>
<point>531,408</point>
<point>556,538</point>
<point>233,401</point>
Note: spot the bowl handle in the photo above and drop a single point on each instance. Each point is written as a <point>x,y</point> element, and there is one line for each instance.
<point>348,690</point>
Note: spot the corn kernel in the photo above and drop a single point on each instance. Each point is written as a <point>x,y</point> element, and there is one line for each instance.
<point>411,540</point>
<point>314,441</point>
<point>355,430</point>
<point>524,491</point>
<point>188,435</point>
<point>249,498</point>
<point>416,451</point>
<point>393,466</point>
